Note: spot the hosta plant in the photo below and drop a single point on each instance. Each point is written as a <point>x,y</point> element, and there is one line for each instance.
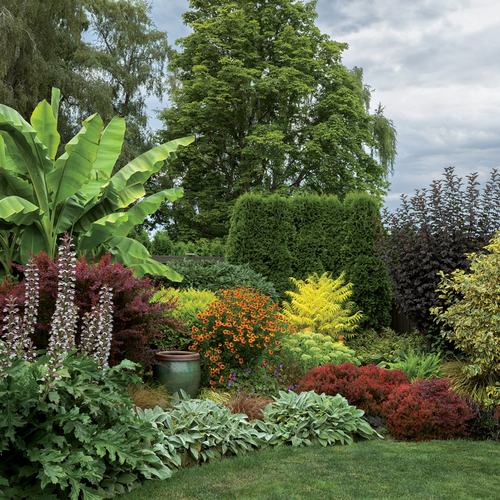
<point>321,304</point>
<point>472,311</point>
<point>41,197</point>
<point>314,349</point>
<point>307,418</point>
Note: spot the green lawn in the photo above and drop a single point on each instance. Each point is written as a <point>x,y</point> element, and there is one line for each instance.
<point>376,469</point>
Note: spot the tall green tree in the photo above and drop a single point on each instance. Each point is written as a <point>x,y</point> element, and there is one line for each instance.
<point>272,108</point>
<point>106,56</point>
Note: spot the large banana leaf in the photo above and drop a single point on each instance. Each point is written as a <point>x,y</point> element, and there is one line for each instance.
<point>72,169</point>
<point>12,185</point>
<point>132,254</point>
<point>129,181</point>
<point>100,231</point>
<point>45,124</point>
<point>110,148</point>
<point>138,213</point>
<point>32,242</point>
<point>16,211</point>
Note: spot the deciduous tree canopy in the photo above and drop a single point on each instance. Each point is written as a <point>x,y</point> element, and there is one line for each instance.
<point>273,110</point>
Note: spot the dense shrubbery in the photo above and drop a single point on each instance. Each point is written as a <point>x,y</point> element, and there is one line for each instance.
<point>432,232</point>
<point>366,387</point>
<point>426,409</point>
<point>136,321</point>
<point>471,312</point>
<point>313,349</point>
<point>190,303</point>
<point>81,437</point>
<point>237,330</point>
<point>214,275</point>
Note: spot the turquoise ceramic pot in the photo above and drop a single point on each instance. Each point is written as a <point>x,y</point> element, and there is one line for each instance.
<point>178,370</point>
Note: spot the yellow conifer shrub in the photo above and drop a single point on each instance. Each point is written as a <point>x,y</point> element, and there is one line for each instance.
<point>321,304</point>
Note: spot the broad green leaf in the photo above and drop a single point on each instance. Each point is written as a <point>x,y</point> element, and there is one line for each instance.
<point>132,254</point>
<point>13,185</point>
<point>16,211</point>
<point>72,169</point>
<point>138,213</point>
<point>110,148</point>
<point>45,124</point>
<point>129,181</point>
<point>101,230</point>
<point>32,241</point>
<point>27,152</point>
<point>54,102</point>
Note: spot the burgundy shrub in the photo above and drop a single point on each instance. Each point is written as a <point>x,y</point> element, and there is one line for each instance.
<point>426,409</point>
<point>366,387</point>
<point>136,321</point>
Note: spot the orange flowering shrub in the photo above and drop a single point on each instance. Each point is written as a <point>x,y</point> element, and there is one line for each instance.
<point>238,329</point>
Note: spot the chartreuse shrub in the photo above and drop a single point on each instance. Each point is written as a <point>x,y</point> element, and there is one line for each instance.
<point>238,329</point>
<point>426,409</point>
<point>190,302</point>
<point>214,275</point>
<point>313,349</point>
<point>365,387</point>
<point>321,304</point>
<point>471,313</point>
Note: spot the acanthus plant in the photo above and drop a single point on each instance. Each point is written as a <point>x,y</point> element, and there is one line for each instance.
<point>96,333</point>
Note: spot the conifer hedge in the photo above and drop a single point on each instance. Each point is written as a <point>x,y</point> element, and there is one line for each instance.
<point>296,237</point>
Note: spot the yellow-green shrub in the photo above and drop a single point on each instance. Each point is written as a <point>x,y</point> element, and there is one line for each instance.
<point>314,349</point>
<point>191,302</point>
<point>474,310</point>
<point>321,305</point>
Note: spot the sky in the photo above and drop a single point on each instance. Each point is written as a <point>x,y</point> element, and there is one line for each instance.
<point>433,64</point>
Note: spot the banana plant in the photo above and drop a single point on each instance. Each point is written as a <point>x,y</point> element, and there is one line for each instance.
<point>42,197</point>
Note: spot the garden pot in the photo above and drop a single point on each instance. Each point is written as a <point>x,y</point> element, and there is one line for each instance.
<point>178,370</point>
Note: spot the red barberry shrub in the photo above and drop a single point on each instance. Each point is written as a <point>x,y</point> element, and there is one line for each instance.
<point>238,329</point>
<point>136,321</point>
<point>366,387</point>
<point>426,409</point>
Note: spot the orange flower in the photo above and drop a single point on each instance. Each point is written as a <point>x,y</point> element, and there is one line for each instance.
<point>240,360</point>
<point>270,352</point>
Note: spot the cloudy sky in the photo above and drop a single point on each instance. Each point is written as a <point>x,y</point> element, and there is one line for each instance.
<point>434,65</point>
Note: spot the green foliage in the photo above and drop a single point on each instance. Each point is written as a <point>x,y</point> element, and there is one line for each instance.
<point>81,440</point>
<point>41,197</point>
<point>313,349</point>
<point>261,230</point>
<point>210,248</point>
<point>307,418</point>
<point>111,72</point>
<point>214,275</point>
<point>142,237</point>
<point>274,111</point>
<point>321,305</point>
<point>371,291</point>
<point>472,312</point>
<point>161,244</point>
<point>431,232</point>
<point>418,365</point>
<point>190,303</point>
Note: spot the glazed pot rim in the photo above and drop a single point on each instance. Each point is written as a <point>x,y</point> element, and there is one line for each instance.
<point>177,356</point>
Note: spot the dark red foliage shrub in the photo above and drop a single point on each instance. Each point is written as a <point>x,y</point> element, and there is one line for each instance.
<point>136,321</point>
<point>426,409</point>
<point>366,387</point>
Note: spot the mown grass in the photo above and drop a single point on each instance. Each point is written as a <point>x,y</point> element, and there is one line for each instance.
<point>455,470</point>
